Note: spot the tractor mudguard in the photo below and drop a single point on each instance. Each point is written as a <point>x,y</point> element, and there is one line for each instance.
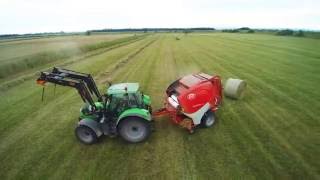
<point>146,100</point>
<point>142,113</point>
<point>94,125</point>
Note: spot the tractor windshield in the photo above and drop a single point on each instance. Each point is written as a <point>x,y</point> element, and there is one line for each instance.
<point>135,100</point>
<point>122,102</point>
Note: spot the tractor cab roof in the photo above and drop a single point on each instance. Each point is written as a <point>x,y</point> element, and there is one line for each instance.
<point>123,88</point>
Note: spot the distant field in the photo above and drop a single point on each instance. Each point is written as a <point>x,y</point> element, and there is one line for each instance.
<point>17,56</point>
<point>14,49</point>
<point>274,132</point>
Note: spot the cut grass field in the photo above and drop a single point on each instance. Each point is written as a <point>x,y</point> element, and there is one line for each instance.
<point>273,132</point>
<point>9,49</point>
<point>17,56</point>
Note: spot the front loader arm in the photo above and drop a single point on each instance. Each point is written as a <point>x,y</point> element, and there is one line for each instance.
<point>87,78</point>
<point>63,81</point>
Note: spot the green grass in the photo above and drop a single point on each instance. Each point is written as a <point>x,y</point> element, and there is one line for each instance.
<point>273,132</point>
<point>22,48</point>
<point>22,55</point>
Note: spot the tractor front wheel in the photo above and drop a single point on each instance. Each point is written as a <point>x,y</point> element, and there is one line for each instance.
<point>208,119</point>
<point>86,135</point>
<point>134,129</point>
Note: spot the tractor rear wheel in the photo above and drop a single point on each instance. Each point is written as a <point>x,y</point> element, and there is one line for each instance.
<point>86,135</point>
<point>208,119</point>
<point>134,129</point>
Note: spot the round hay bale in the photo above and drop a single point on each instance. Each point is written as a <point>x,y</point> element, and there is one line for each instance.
<point>234,88</point>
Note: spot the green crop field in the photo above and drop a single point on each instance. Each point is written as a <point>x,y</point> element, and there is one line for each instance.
<point>9,49</point>
<point>273,132</point>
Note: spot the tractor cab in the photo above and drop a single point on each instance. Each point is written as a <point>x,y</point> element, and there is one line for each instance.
<point>118,99</point>
<point>126,96</point>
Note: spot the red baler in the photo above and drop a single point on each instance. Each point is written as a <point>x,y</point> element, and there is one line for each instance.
<point>192,100</point>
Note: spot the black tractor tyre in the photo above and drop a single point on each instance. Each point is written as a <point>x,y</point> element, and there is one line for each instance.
<point>208,119</point>
<point>85,135</point>
<point>134,129</point>
<point>149,108</point>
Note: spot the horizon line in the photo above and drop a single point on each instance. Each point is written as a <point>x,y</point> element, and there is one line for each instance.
<point>154,28</point>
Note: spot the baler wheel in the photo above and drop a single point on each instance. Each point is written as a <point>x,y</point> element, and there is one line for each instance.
<point>208,119</point>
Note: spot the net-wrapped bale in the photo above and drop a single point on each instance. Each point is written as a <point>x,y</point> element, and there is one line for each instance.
<point>234,88</point>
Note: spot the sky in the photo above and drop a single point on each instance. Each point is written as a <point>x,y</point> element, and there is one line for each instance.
<point>31,16</point>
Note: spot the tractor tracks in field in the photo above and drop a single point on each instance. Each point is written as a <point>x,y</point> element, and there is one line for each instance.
<point>101,77</point>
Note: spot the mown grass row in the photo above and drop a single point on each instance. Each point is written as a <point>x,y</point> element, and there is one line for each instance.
<point>14,66</point>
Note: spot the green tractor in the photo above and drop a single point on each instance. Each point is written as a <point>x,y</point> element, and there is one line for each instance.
<point>123,110</point>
